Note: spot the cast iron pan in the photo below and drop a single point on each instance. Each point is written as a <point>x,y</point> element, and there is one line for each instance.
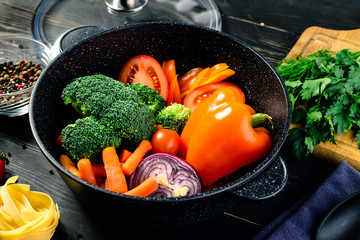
<point>190,46</point>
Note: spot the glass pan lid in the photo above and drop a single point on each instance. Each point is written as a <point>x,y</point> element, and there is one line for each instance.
<point>96,15</point>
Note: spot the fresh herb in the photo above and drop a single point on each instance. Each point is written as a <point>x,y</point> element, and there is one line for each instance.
<point>324,91</point>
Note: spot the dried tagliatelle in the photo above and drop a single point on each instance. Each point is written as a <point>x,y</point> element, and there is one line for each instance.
<point>26,214</point>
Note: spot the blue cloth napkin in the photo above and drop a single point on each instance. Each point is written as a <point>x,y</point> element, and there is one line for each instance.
<point>302,220</point>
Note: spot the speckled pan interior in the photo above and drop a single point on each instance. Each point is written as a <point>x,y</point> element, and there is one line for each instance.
<point>190,46</point>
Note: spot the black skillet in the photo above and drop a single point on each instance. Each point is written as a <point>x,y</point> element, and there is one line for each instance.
<point>190,46</point>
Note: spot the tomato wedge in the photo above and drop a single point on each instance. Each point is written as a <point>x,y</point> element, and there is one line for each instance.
<point>196,96</point>
<point>146,70</point>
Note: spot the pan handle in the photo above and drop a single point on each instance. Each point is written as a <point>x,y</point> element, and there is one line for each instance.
<point>267,184</point>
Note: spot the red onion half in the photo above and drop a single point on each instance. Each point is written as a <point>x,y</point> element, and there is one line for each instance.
<point>176,178</point>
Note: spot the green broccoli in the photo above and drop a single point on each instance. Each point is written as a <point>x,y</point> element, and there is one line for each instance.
<point>90,95</point>
<point>149,97</point>
<point>86,138</point>
<point>174,117</point>
<point>134,121</point>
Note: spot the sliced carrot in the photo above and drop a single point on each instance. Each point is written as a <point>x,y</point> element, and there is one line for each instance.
<point>133,161</point>
<point>58,140</point>
<point>99,169</point>
<point>86,171</point>
<point>115,180</point>
<point>69,165</point>
<point>144,189</point>
<point>124,155</point>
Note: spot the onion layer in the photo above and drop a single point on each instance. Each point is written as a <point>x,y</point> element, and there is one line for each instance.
<point>176,178</point>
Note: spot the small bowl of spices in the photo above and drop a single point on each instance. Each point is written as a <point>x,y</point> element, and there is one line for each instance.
<point>22,60</point>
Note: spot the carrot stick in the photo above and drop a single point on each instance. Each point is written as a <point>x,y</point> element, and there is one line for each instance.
<point>69,165</point>
<point>99,169</point>
<point>144,189</point>
<point>124,155</point>
<point>133,161</point>
<point>86,171</point>
<point>115,180</point>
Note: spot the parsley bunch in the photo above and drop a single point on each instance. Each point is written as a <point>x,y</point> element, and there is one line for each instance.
<point>324,92</point>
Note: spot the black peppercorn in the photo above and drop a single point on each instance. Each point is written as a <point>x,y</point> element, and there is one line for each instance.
<point>18,76</point>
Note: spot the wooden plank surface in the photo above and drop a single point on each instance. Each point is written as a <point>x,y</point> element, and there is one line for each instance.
<point>316,38</point>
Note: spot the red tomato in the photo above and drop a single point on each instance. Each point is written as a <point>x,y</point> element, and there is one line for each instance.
<point>196,96</point>
<point>188,79</point>
<point>2,169</point>
<point>145,70</point>
<point>166,141</point>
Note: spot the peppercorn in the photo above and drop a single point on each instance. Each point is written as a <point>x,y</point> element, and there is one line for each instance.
<point>18,76</point>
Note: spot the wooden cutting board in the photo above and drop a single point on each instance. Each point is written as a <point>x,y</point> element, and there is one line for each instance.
<point>316,38</point>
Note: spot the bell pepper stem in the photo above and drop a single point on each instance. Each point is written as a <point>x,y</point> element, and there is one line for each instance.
<point>260,118</point>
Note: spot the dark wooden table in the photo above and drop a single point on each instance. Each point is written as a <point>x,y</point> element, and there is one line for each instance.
<point>270,27</point>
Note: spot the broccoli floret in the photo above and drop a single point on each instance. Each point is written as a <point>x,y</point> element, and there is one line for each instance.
<point>86,138</point>
<point>90,95</point>
<point>134,121</point>
<point>174,117</point>
<point>128,94</point>
<point>149,97</point>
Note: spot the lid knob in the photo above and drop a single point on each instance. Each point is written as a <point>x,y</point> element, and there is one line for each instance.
<point>126,5</point>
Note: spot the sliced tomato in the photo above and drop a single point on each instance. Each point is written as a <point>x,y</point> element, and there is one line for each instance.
<point>199,94</point>
<point>146,70</point>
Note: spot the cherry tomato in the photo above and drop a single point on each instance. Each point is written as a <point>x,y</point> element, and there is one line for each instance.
<point>2,169</point>
<point>188,79</point>
<point>166,141</point>
<point>196,96</point>
<point>145,70</point>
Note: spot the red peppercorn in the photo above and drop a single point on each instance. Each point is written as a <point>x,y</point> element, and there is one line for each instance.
<point>20,86</point>
<point>1,91</point>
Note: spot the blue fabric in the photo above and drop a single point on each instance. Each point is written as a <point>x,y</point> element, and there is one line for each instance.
<point>301,220</point>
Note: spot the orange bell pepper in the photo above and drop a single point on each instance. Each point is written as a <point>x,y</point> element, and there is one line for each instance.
<point>219,138</point>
